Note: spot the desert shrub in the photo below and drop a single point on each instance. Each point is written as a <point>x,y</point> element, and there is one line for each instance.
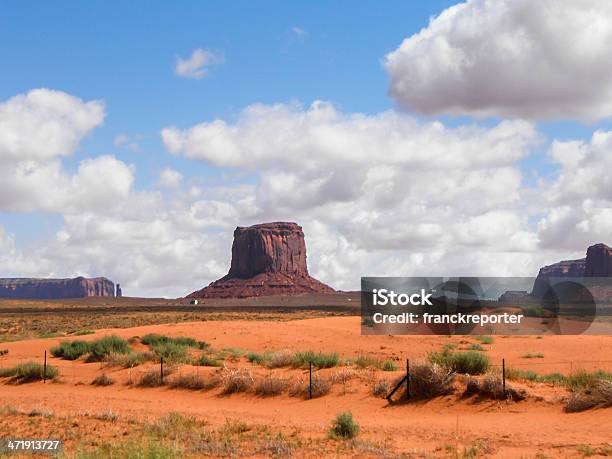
<point>240,380</point>
<point>470,362</point>
<point>259,358</point>
<point>270,386</point>
<point>388,365</point>
<point>192,381</point>
<point>598,395</point>
<point>580,402</point>
<point>318,359</point>
<point>29,372</point>
<point>170,351</point>
<point>107,415</point>
<point>103,347</point>
<point>492,386</point>
<point>343,376</point>
<point>71,350</point>
<point>128,360</point>
<point>366,361</point>
<point>153,339</point>
<point>485,339</point>
<point>233,352</point>
<point>206,361</point>
<point>103,380</point>
<point>281,359</point>
<point>145,448</point>
<point>151,378</point>
<point>530,355</point>
<point>83,332</point>
<point>428,380</point>
<point>584,381</point>
<point>320,387</point>
<point>344,427</point>
<point>533,311</point>
<point>381,388</point>
<point>3,352</point>
<point>475,347</point>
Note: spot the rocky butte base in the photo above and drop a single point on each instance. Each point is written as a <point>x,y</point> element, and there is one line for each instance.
<point>267,259</point>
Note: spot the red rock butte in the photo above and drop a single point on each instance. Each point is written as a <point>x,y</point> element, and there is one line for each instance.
<point>267,259</point>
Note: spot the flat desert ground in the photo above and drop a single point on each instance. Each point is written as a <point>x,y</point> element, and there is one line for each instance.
<point>207,422</point>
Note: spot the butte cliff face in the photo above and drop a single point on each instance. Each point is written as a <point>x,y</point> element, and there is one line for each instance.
<point>598,263</point>
<point>47,289</point>
<point>267,259</point>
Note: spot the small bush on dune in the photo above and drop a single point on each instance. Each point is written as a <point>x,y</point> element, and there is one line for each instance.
<point>470,362</point>
<point>281,359</point>
<point>428,380</point>
<point>103,380</point>
<point>381,388</point>
<point>170,352</point>
<point>584,381</point>
<point>83,332</point>
<point>191,381</point>
<point>320,387</point>
<point>344,427</point>
<point>206,361</point>
<point>598,396</point>
<point>318,359</point>
<point>152,378</point>
<point>71,350</point>
<point>259,358</point>
<point>129,360</point>
<point>270,386</point>
<point>152,339</point>
<point>237,381</point>
<point>29,372</point>
<point>103,347</point>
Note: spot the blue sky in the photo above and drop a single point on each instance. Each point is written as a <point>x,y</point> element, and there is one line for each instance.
<point>124,53</point>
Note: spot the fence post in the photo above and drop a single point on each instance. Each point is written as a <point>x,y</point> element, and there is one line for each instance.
<point>161,370</point>
<point>310,384</point>
<point>407,379</point>
<point>45,369</point>
<point>504,375</point>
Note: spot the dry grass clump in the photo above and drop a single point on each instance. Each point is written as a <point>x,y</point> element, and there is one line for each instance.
<point>283,358</point>
<point>381,388</point>
<point>128,360</point>
<point>429,380</point>
<point>492,386</point>
<point>152,377</point>
<point>343,376</point>
<point>270,386</point>
<point>320,387</point>
<point>191,381</point>
<point>103,380</point>
<point>600,396</point>
<point>237,380</point>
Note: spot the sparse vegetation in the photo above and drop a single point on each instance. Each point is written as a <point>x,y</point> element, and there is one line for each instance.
<point>318,359</point>
<point>170,351</point>
<point>344,427</point>
<point>239,380</point>
<point>29,372</point>
<point>366,361</point>
<point>259,358</point>
<point>101,348</point>
<point>129,360</point>
<point>206,361</point>
<point>83,332</point>
<point>484,339</point>
<point>475,347</point>
<point>283,358</point>
<point>153,339</point>
<point>530,355</point>
<point>469,362</point>
<point>191,381</point>
<point>320,387</point>
<point>270,386</point>
<point>381,388</point>
<point>71,350</point>
<point>103,380</point>
<point>430,380</point>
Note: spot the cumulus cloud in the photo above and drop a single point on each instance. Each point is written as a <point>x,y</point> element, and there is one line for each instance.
<point>545,59</point>
<point>169,178</point>
<point>44,124</point>
<point>197,66</point>
<point>378,194</point>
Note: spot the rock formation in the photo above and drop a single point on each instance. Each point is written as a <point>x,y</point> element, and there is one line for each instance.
<point>267,259</point>
<point>118,293</point>
<point>78,287</point>
<point>598,263</point>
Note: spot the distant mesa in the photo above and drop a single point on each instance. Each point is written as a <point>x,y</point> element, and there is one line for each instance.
<point>48,289</point>
<point>267,259</point>
<point>598,263</point>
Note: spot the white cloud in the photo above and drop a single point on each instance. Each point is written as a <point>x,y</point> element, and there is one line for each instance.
<point>509,58</point>
<point>44,124</point>
<point>197,66</point>
<point>169,178</point>
<point>124,140</point>
<point>299,31</point>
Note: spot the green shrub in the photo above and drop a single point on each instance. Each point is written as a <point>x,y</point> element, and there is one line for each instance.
<point>71,350</point>
<point>29,372</point>
<point>470,362</point>
<point>344,427</point>
<point>485,339</point>
<point>476,347</point>
<point>153,339</point>
<point>585,381</point>
<point>83,332</point>
<point>170,352</point>
<point>281,359</point>
<point>206,361</point>
<point>529,355</point>
<point>388,365</point>
<point>103,347</point>
<point>129,360</point>
<point>319,360</point>
<point>259,358</point>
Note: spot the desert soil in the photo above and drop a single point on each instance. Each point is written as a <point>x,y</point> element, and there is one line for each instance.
<point>443,427</point>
